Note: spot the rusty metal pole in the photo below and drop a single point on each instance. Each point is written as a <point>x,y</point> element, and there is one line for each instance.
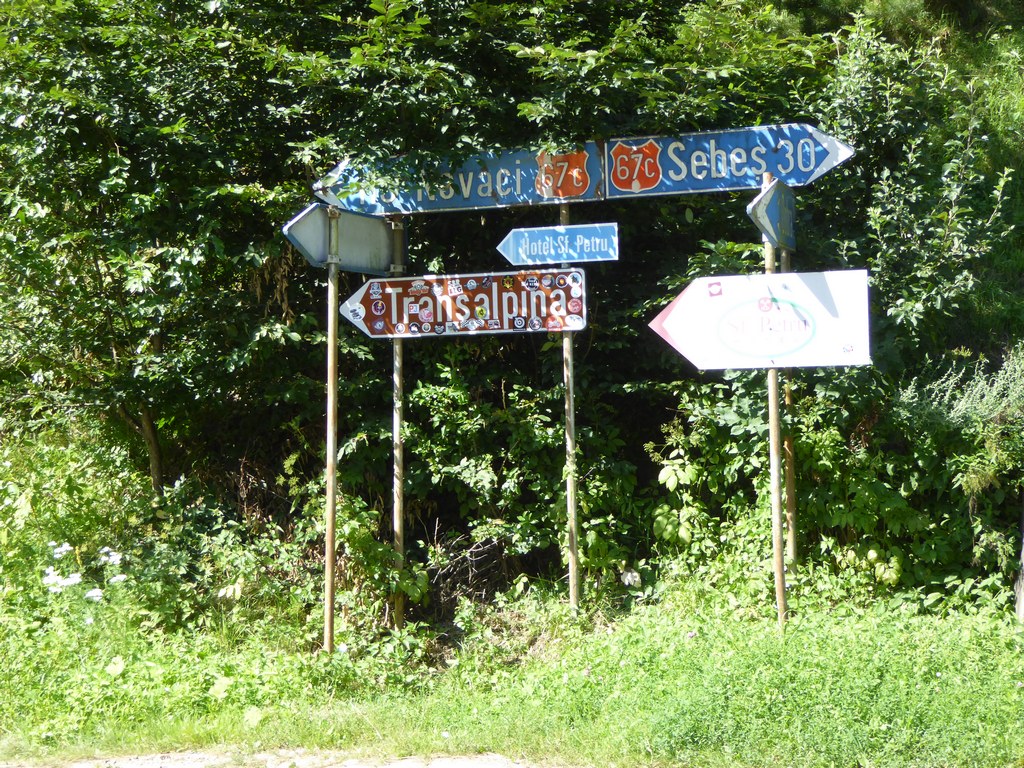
<point>789,451</point>
<point>775,460</point>
<point>1018,587</point>
<point>330,552</point>
<point>398,443</point>
<point>568,378</point>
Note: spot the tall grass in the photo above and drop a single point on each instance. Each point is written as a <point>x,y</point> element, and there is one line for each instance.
<point>692,686</point>
<point>683,681</point>
<point>698,675</point>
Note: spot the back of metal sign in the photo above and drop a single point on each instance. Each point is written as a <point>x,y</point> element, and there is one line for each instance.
<point>365,243</point>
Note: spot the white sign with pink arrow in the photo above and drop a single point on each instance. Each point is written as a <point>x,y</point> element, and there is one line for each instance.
<point>779,320</point>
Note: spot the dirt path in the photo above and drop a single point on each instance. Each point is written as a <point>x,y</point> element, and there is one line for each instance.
<point>281,759</point>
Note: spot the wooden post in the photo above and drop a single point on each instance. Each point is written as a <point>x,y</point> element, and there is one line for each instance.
<point>332,424</point>
<point>789,453</point>
<point>775,460</point>
<point>1018,587</point>
<point>570,452</point>
<point>398,443</point>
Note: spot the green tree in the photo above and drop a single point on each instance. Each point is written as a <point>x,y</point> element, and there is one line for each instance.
<point>141,203</point>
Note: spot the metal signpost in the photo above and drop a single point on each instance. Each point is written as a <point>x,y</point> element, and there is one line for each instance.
<point>401,245</point>
<point>561,245</point>
<point>774,226</point>
<point>792,320</point>
<point>775,456</point>
<point>332,427</point>
<point>565,244</point>
<point>329,237</point>
<point>774,213</point>
<point>569,380</point>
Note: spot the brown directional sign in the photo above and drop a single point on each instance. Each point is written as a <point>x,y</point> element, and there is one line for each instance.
<point>454,305</point>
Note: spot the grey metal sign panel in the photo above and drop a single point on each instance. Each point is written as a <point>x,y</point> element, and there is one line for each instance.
<point>365,243</point>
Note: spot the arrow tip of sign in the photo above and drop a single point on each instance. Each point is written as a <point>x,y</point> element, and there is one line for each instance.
<point>843,151</point>
<point>505,246</point>
<point>754,205</point>
<point>333,177</point>
<point>838,152</point>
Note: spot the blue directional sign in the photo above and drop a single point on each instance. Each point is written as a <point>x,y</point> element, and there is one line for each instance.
<point>774,211</point>
<point>720,161</point>
<point>488,180</point>
<point>714,161</point>
<point>554,245</point>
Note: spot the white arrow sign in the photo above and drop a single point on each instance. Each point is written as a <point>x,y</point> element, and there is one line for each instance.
<point>779,320</point>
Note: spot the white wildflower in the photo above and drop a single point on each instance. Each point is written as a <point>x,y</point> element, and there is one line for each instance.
<point>59,552</point>
<point>53,580</point>
<point>109,556</point>
<point>94,594</point>
<point>116,579</point>
<point>630,578</point>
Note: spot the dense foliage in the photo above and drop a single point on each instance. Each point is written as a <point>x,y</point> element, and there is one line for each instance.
<point>162,348</point>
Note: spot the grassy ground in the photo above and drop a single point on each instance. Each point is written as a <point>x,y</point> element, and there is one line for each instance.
<point>682,682</point>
